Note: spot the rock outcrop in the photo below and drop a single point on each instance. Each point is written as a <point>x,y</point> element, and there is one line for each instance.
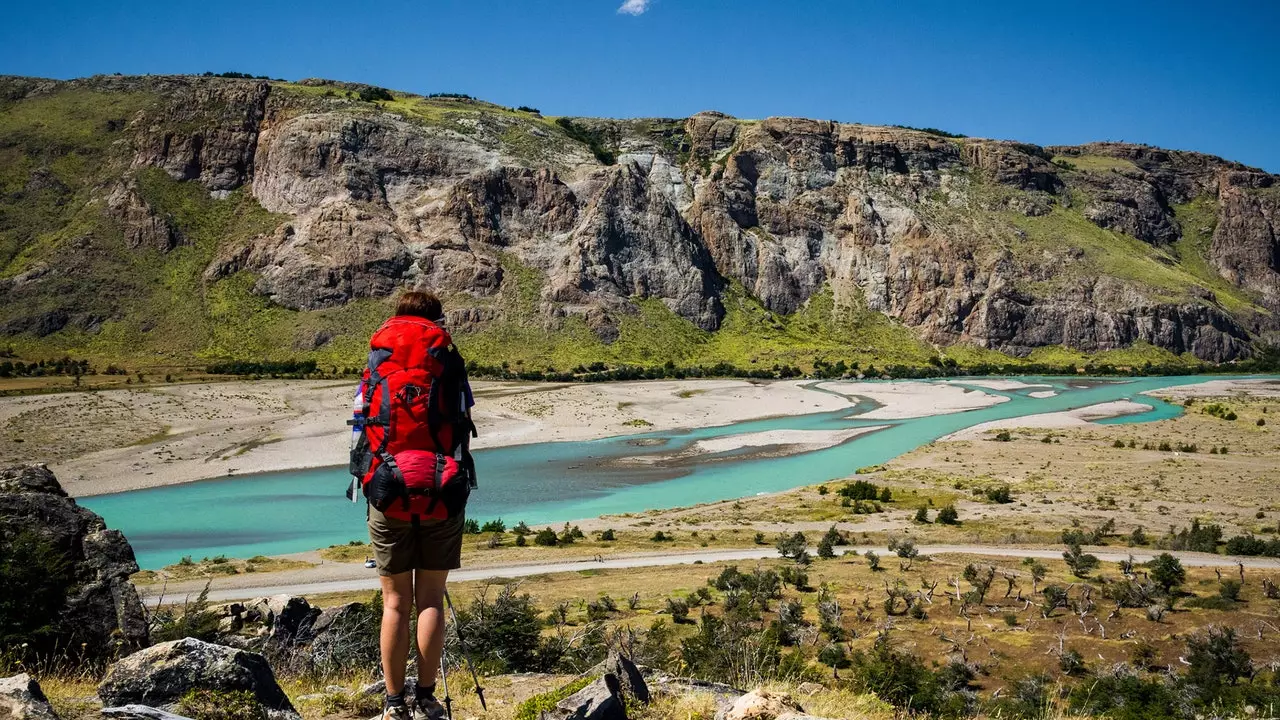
<point>519,220</point>
<point>760,704</point>
<point>162,674</point>
<point>22,699</point>
<point>84,566</point>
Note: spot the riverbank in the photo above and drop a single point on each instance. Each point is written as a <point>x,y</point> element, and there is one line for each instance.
<point>158,435</point>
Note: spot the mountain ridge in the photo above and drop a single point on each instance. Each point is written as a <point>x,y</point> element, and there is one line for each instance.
<point>229,219</point>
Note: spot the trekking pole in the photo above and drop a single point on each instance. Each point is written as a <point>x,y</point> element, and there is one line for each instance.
<point>462,643</point>
<point>444,682</point>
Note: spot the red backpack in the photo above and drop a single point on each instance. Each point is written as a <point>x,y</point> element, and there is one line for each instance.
<point>409,453</point>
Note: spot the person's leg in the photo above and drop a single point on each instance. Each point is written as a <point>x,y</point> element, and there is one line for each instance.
<point>429,592</point>
<point>397,603</point>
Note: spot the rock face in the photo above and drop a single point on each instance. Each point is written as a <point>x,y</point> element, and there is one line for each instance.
<point>22,699</point>
<point>99,610</point>
<point>760,704</point>
<point>160,675</point>
<point>997,244</point>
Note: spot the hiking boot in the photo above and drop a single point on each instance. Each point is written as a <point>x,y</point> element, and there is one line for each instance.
<point>426,707</point>
<point>395,712</point>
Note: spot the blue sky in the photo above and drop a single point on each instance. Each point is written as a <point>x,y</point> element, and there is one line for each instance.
<point>1186,75</point>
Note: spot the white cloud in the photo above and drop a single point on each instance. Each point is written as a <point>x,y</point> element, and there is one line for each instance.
<point>634,7</point>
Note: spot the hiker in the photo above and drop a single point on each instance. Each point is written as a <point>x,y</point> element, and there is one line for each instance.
<point>412,457</point>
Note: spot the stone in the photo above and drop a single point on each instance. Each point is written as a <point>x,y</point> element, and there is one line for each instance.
<point>140,712</point>
<point>630,679</point>
<point>289,617</point>
<point>101,612</point>
<point>723,695</point>
<point>760,704</point>
<point>160,675</point>
<point>22,699</point>
<point>600,700</point>
<point>809,688</point>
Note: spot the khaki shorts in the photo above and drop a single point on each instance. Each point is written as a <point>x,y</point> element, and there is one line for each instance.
<point>400,547</point>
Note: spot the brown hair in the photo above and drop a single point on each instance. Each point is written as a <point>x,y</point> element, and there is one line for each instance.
<point>420,303</point>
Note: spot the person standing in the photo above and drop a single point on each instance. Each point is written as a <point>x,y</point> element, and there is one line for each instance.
<point>416,470</point>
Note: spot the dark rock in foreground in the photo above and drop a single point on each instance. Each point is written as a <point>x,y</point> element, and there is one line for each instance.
<point>83,566</point>
<point>162,674</point>
<point>601,700</point>
<point>22,699</point>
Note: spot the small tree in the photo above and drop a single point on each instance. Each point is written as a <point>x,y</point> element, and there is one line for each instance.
<point>1037,570</point>
<point>906,549</point>
<point>922,515</point>
<point>547,537</point>
<point>834,657</point>
<point>873,560</point>
<point>1167,571</point>
<point>793,547</point>
<point>678,610</point>
<point>1080,562</point>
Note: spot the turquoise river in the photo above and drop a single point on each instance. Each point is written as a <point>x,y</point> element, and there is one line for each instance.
<point>287,512</point>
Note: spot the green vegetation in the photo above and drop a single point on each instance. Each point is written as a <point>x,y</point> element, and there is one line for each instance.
<point>1104,252</point>
<point>205,704</point>
<point>34,574</point>
<point>1093,163</point>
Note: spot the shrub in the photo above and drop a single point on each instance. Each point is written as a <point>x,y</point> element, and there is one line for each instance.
<point>608,535</point>
<point>494,526</point>
<point>203,704</point>
<point>35,577</point>
<point>538,705</point>
<point>193,620</point>
<point>547,537</point>
<point>1000,494</point>
<point>660,536</point>
<point>834,656</point>
<point>471,527</point>
<point>1081,563</point>
<point>1003,436</point>
<point>505,634</point>
<point>873,560</point>
<point>859,490</point>
<point>1071,662</point>
<point>1229,590</point>
<point>521,529</point>
<point>1167,571</point>
<point>948,515</point>
<point>922,515</point>
<point>793,547</point>
<point>372,94</point>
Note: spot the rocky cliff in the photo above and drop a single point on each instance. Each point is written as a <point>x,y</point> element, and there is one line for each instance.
<point>68,573</point>
<point>235,218</point>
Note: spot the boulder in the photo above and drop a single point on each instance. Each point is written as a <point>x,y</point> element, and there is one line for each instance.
<point>90,603</point>
<point>601,700</point>
<point>140,712</point>
<point>289,617</point>
<point>22,699</point>
<point>162,674</point>
<point>760,704</point>
<point>724,695</point>
<point>630,679</point>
